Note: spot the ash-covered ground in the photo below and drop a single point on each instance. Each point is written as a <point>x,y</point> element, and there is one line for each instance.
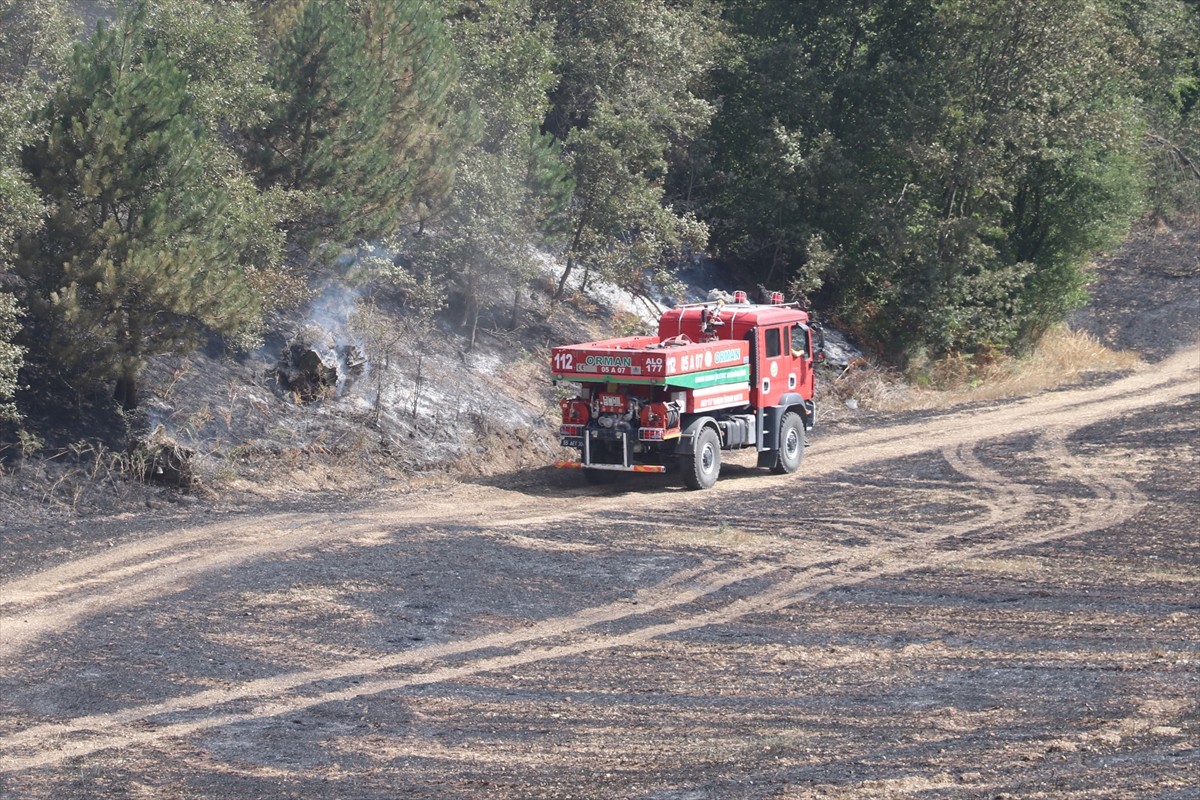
<point>992,601</point>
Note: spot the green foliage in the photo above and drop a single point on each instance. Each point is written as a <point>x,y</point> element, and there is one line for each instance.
<point>217,45</point>
<point>425,131</point>
<point>360,126</point>
<point>624,101</point>
<point>961,159</point>
<point>1164,38</point>
<point>323,139</point>
<point>933,173</point>
<point>510,186</point>
<point>21,209</point>
<point>11,356</point>
<point>141,255</point>
<point>618,223</point>
<point>34,38</point>
<point>482,250</point>
<point>34,35</point>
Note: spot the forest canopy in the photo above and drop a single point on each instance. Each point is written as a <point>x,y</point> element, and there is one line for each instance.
<point>933,176</point>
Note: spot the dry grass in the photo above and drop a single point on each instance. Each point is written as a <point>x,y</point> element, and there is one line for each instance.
<point>83,477</point>
<point>1064,356</point>
<point>726,538</point>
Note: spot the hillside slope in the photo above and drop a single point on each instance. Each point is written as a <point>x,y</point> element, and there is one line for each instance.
<point>971,603</point>
<point>224,425</point>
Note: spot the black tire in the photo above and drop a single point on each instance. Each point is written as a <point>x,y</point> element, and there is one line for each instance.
<point>702,466</point>
<point>791,444</point>
<point>598,477</point>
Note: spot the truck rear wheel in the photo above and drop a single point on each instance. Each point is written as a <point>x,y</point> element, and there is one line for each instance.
<point>702,466</point>
<point>791,444</point>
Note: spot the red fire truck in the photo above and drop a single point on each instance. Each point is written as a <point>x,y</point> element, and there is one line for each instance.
<point>718,376</point>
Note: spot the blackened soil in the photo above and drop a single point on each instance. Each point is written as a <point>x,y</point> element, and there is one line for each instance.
<point>1146,297</point>
<point>996,601</point>
<point>1001,607</point>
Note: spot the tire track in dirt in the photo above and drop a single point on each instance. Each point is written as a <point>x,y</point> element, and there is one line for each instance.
<point>49,744</point>
<point>138,572</point>
<point>681,588</point>
<point>130,559</point>
<point>1160,384</point>
<point>55,600</point>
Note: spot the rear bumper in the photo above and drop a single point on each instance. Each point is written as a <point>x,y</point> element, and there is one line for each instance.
<point>611,467</point>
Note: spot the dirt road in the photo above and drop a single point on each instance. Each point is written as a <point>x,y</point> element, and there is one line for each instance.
<point>996,601</point>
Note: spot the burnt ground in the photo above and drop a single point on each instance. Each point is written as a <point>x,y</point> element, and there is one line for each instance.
<point>1146,296</point>
<point>997,601</point>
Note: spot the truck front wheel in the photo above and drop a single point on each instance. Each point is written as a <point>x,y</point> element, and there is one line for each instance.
<point>791,444</point>
<point>702,466</point>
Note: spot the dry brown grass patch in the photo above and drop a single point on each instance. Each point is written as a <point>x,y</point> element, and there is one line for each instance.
<point>1063,356</point>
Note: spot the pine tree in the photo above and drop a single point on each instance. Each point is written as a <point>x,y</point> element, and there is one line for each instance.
<point>34,35</point>
<point>134,261</point>
<point>361,126</point>
<point>324,140</point>
<point>425,130</point>
<point>623,101</point>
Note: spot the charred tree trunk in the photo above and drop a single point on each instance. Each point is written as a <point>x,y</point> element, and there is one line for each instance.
<point>514,317</point>
<point>562,282</point>
<point>574,248</point>
<point>126,392</point>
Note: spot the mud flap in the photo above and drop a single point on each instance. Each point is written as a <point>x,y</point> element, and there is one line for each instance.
<point>770,429</point>
<point>687,439</point>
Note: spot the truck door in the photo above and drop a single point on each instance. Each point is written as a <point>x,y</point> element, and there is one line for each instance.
<point>774,366</point>
<point>800,373</point>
